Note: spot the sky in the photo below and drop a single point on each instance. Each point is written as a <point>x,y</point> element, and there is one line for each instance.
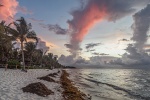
<point>87,32</point>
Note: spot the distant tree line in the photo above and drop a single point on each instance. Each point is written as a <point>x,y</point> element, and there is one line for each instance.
<point>20,31</point>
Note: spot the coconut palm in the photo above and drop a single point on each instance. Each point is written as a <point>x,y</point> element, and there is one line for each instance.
<point>22,32</point>
<point>6,44</point>
<point>37,56</point>
<point>2,38</point>
<point>30,47</point>
<point>55,60</point>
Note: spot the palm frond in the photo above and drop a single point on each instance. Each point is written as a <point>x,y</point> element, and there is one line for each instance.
<point>32,35</point>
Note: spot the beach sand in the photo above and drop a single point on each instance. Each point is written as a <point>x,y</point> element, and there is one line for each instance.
<point>12,82</point>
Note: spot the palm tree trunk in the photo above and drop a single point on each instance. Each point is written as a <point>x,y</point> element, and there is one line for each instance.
<point>30,61</point>
<point>22,55</point>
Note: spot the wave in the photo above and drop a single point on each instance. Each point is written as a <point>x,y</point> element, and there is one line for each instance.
<point>131,93</point>
<point>85,85</point>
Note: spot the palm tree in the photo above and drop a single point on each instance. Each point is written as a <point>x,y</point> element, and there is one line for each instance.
<point>55,60</point>
<point>30,47</point>
<point>6,44</point>
<point>50,55</point>
<point>22,32</point>
<point>37,56</point>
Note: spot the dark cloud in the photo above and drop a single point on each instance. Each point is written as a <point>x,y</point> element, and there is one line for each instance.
<point>66,60</point>
<point>103,54</point>
<point>90,50</point>
<point>95,61</point>
<point>81,61</point>
<point>69,46</point>
<point>140,27</point>
<point>125,40</point>
<point>95,53</point>
<point>136,57</point>
<point>117,62</point>
<point>100,54</point>
<point>136,53</point>
<point>147,50</point>
<point>133,57</point>
<point>55,28</point>
<point>92,45</point>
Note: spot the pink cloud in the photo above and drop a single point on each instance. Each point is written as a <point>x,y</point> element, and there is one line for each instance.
<point>8,9</point>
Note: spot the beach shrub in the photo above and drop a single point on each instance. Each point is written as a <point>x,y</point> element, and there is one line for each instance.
<point>12,64</point>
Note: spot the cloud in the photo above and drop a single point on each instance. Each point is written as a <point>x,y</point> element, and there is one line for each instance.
<point>66,60</point>
<point>55,28</point>
<point>135,52</point>
<point>69,46</point>
<point>90,50</point>
<point>96,61</point>
<point>95,11</point>
<point>125,40</point>
<point>24,10</point>
<point>140,27</point>
<point>36,20</point>
<point>117,62</point>
<point>147,46</point>
<point>100,54</point>
<point>42,45</point>
<point>8,10</point>
<point>81,61</point>
<point>133,56</point>
<point>147,50</point>
<point>92,45</point>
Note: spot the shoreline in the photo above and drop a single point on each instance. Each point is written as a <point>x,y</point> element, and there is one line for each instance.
<point>70,91</point>
<point>57,80</point>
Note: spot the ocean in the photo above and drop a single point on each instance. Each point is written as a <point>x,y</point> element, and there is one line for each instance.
<point>113,84</point>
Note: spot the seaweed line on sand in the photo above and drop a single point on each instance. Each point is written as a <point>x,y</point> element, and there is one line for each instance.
<point>70,91</point>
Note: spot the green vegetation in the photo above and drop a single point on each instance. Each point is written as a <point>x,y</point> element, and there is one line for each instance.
<point>13,64</point>
<point>21,32</point>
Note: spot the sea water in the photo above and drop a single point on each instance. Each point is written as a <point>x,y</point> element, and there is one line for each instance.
<point>113,84</point>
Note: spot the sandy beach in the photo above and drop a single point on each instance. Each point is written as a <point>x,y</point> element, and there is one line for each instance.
<point>11,82</point>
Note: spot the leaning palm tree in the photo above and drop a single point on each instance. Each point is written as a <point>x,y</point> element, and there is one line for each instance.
<point>22,32</point>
